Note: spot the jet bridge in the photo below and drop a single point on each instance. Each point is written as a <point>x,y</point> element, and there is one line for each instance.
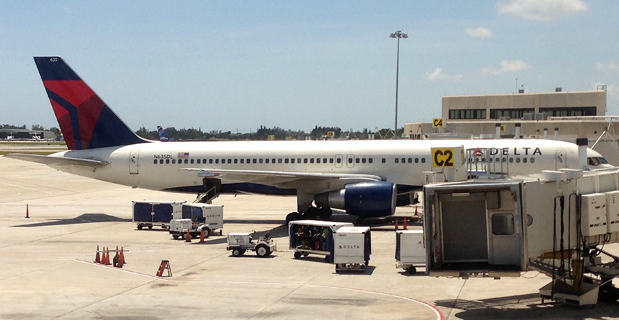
<point>556,223</point>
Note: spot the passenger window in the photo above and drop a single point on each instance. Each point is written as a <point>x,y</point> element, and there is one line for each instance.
<point>370,160</point>
<point>254,160</point>
<point>248,161</point>
<point>532,160</point>
<point>384,160</point>
<point>403,160</point>
<point>489,159</point>
<point>298,160</point>
<point>266,160</point>
<point>259,160</point>
<point>155,161</point>
<point>504,159</point>
<point>511,160</point>
<point>317,160</point>
<point>524,160</point>
<point>349,160</point>
<point>357,160</point>
<point>236,161</point>
<point>167,161</point>
<point>279,160</point>
<point>410,160</point>
<point>286,160</point>
<point>173,161</point>
<point>242,161</point>
<point>324,160</point>
<point>517,160</point>
<point>423,160</point>
<point>217,161</point>
<point>311,160</point>
<point>291,160</point>
<point>416,160</point>
<point>190,161</point>
<point>198,161</point>
<point>397,160</point>
<point>210,161</point>
<point>502,224</point>
<point>339,160</point>
<point>363,160</point>
<point>273,160</point>
<point>330,160</point>
<point>229,161</point>
<point>305,160</point>
<point>161,161</point>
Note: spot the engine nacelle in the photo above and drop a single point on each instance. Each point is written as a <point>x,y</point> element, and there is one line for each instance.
<point>364,199</point>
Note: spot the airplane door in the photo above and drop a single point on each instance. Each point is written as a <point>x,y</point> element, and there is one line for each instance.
<point>560,159</point>
<point>338,160</point>
<point>350,160</point>
<point>133,161</point>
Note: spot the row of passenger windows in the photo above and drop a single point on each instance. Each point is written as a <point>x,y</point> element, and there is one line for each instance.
<point>511,160</point>
<point>281,160</point>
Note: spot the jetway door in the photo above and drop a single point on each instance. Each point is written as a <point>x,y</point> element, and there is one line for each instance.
<point>465,231</point>
<point>133,161</point>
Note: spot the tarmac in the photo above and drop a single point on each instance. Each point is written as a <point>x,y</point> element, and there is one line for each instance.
<point>47,269</point>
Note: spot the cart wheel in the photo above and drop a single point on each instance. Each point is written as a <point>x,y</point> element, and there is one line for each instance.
<point>297,255</point>
<point>139,227</point>
<point>175,236</point>
<point>207,232</point>
<point>411,270</point>
<point>367,263</point>
<point>262,250</point>
<point>150,227</point>
<point>237,252</point>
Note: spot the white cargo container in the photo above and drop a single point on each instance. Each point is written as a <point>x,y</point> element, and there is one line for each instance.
<point>207,217</point>
<point>352,248</point>
<point>178,227</point>
<point>410,251</point>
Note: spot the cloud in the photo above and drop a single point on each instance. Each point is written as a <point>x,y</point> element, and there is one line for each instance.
<point>438,74</point>
<point>507,66</point>
<point>608,67</point>
<point>480,32</point>
<point>543,10</point>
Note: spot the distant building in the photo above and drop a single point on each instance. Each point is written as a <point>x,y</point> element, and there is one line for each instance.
<point>526,106</point>
<point>25,134</point>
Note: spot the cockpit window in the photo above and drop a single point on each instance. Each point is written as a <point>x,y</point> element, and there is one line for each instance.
<point>596,161</point>
<point>603,160</point>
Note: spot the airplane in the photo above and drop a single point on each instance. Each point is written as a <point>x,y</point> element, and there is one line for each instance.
<point>162,135</point>
<point>366,178</point>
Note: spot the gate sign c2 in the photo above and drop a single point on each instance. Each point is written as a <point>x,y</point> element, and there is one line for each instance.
<point>437,123</point>
<point>443,157</point>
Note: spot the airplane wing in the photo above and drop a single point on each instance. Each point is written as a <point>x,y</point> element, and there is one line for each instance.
<point>58,161</point>
<point>310,182</point>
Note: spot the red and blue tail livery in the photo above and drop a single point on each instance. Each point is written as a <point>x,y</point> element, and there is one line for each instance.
<point>85,120</point>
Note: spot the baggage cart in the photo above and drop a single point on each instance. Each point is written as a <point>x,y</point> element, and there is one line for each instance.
<point>352,248</point>
<point>313,237</point>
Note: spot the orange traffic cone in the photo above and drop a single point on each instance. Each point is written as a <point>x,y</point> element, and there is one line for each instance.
<point>188,236</point>
<point>97,258</point>
<point>122,257</point>
<point>405,226</point>
<point>201,235</point>
<point>396,224</point>
<point>27,214</point>
<point>107,256</point>
<point>416,211</point>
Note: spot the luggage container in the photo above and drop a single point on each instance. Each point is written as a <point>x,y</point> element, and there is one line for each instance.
<point>352,248</point>
<point>150,213</point>
<point>410,251</point>
<point>313,237</point>
<point>208,217</point>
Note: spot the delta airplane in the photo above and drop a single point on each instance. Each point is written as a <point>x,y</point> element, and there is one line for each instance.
<point>365,178</point>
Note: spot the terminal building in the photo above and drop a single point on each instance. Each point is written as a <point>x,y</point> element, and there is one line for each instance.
<point>25,134</point>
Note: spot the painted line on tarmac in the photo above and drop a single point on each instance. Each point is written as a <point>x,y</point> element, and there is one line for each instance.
<point>123,270</point>
<point>439,314</point>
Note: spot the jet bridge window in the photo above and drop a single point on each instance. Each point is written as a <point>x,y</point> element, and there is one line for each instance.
<point>502,224</point>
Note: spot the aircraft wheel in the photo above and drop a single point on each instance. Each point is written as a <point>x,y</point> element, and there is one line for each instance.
<point>311,213</point>
<point>325,213</point>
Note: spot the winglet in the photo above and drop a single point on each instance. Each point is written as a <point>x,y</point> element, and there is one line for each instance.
<point>85,120</point>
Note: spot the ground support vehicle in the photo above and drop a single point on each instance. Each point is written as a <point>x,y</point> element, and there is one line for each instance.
<point>179,227</point>
<point>410,251</point>
<point>313,237</point>
<point>207,217</point>
<point>155,213</point>
<point>352,248</point>
<point>241,242</point>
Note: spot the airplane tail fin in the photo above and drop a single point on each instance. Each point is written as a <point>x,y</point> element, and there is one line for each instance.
<point>85,120</point>
<point>162,135</point>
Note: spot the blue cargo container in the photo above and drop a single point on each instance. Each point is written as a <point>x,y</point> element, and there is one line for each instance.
<point>149,213</point>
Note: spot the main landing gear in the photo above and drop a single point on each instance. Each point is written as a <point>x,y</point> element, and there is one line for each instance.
<point>311,214</point>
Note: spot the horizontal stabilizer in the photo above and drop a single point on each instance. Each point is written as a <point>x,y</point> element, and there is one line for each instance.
<point>57,161</point>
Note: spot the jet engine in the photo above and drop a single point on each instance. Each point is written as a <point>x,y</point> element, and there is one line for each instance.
<point>363,199</point>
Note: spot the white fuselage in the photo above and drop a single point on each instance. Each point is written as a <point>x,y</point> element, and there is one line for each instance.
<point>163,166</point>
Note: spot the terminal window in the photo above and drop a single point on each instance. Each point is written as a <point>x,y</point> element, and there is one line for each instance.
<point>570,112</point>
<point>510,113</point>
<point>467,114</point>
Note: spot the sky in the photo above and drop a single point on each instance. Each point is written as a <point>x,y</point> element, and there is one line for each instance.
<point>237,65</point>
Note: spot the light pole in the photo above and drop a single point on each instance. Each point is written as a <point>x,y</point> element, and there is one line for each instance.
<point>398,34</point>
